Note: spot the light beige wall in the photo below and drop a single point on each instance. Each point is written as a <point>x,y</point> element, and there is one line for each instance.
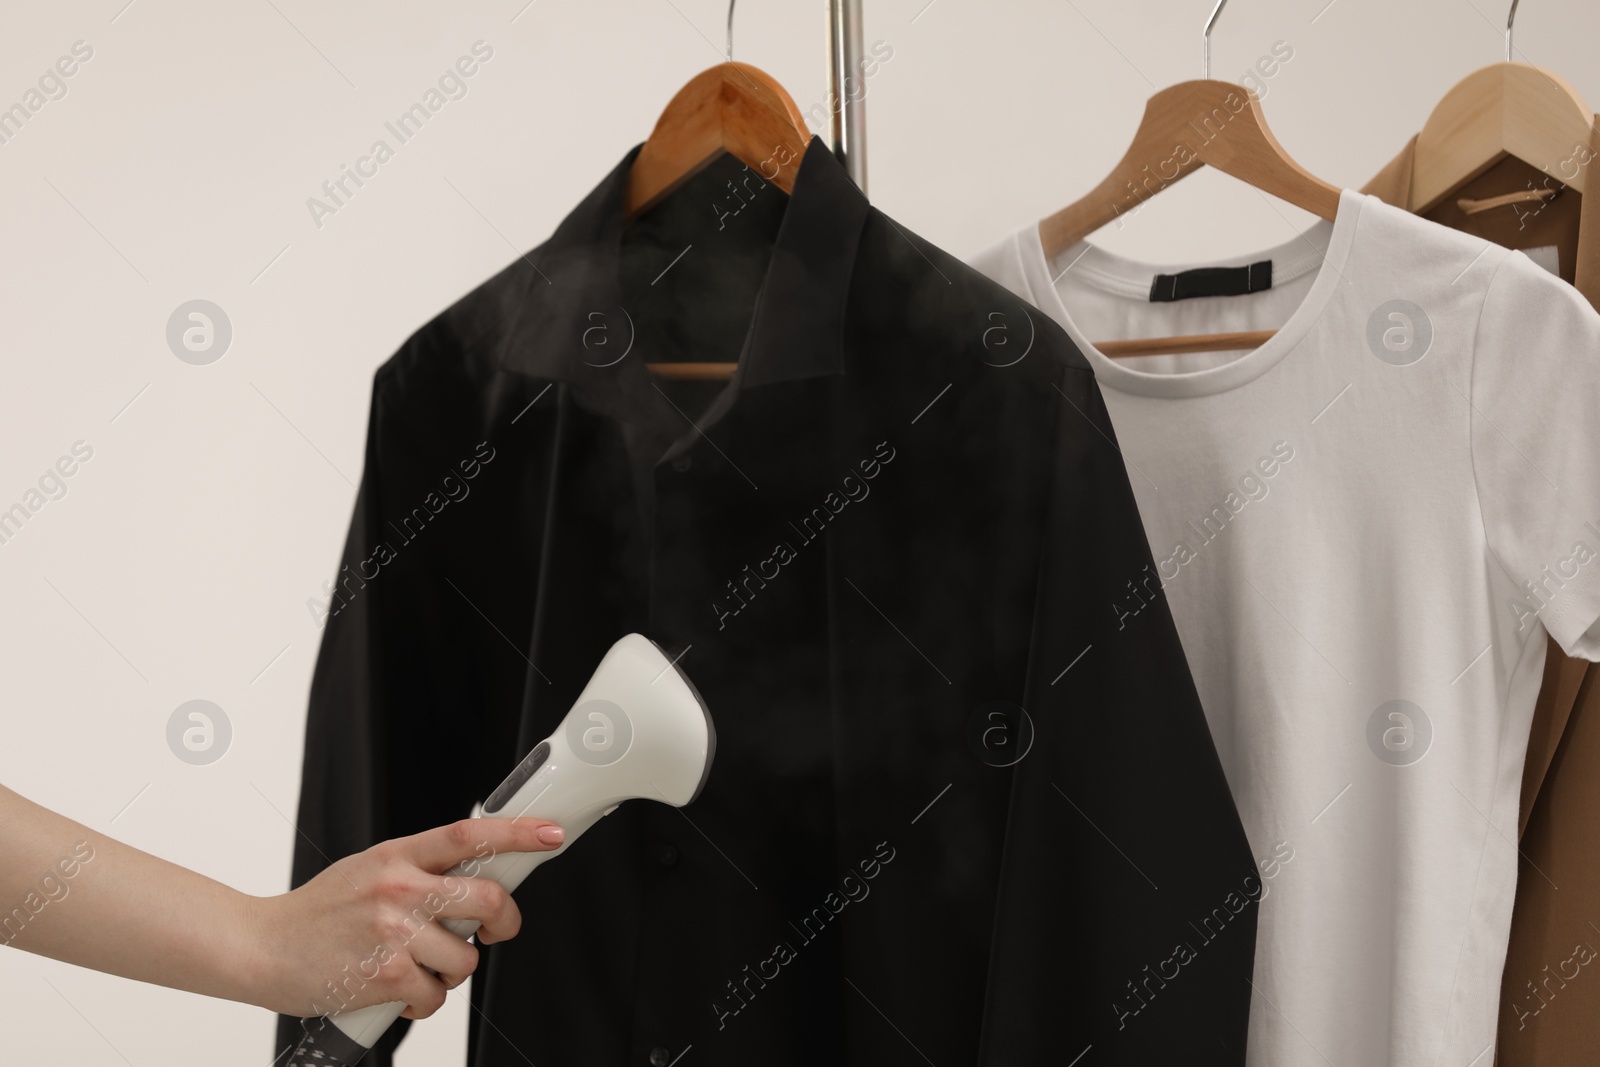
<point>177,166</point>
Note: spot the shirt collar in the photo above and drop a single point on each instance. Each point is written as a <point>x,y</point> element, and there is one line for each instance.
<point>569,324</point>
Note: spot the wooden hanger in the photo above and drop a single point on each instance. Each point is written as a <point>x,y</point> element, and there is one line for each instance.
<point>733,108</point>
<point>1190,125</point>
<point>1504,109</point>
<point>1187,126</point>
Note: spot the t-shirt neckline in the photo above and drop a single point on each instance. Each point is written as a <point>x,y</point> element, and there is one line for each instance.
<point>1130,275</point>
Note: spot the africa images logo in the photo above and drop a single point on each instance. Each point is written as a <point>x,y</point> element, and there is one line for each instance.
<point>1399,332</point>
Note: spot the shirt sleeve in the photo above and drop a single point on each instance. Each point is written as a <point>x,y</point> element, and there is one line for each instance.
<point>1536,448</point>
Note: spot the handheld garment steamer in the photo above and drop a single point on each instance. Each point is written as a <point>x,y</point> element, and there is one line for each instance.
<point>639,729</point>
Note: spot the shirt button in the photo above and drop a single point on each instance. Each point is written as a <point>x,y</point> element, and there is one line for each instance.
<point>681,463</point>
<point>660,1057</point>
<point>667,855</point>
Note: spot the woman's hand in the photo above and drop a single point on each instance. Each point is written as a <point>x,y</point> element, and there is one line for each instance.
<point>364,931</point>
<point>359,933</point>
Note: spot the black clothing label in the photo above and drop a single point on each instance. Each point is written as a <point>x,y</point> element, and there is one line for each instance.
<point>1212,281</point>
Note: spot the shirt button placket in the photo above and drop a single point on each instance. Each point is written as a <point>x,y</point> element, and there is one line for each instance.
<point>653,1017</point>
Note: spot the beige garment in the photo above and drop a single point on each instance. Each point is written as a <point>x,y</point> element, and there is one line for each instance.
<point>1550,991</point>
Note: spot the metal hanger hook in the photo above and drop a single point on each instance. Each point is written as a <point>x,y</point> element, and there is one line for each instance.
<point>730,29</point>
<point>1511,20</point>
<point>1205,38</point>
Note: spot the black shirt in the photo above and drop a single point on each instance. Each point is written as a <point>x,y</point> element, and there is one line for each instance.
<point>902,523</point>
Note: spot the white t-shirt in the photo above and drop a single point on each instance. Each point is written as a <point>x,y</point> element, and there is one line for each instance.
<point>1364,528</point>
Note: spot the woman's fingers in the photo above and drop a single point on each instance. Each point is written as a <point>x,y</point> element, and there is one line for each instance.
<point>440,849</point>
<point>451,958</point>
<point>423,993</point>
<point>445,954</point>
<point>392,896</point>
<point>484,902</point>
<point>413,894</point>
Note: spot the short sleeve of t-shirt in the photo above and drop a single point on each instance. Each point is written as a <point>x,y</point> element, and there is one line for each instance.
<point>1536,447</point>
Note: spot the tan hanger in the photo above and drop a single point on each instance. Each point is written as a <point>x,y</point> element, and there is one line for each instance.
<point>1199,342</point>
<point>1477,206</point>
<point>1187,126</point>
<point>733,108</point>
<point>1172,142</point>
<point>1504,109</point>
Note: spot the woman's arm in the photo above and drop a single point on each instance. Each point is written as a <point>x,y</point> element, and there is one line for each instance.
<point>359,933</point>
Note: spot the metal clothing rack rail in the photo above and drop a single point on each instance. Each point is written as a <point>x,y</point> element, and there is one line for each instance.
<point>848,135</point>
